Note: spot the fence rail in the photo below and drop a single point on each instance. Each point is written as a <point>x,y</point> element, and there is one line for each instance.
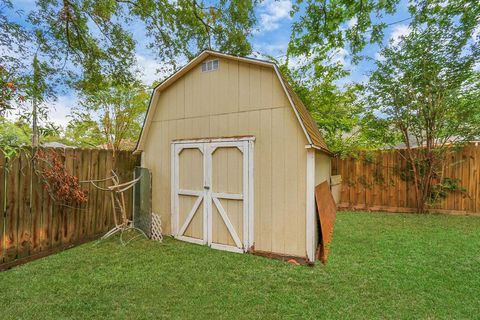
<point>32,224</point>
<point>378,182</point>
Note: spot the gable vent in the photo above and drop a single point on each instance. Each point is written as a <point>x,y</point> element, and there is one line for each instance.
<point>210,65</point>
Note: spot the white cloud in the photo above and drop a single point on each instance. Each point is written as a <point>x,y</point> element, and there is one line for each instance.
<point>58,111</point>
<point>476,34</point>
<point>339,56</point>
<point>297,61</point>
<point>273,13</point>
<point>336,56</point>
<point>61,108</point>
<point>400,31</point>
<point>149,69</point>
<point>352,22</point>
<point>379,56</point>
<point>272,49</point>
<point>476,66</point>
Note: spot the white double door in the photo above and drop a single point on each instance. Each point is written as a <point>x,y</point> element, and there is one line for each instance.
<point>212,193</point>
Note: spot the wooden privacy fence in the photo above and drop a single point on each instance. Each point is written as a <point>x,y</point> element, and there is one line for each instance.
<point>378,182</point>
<point>33,225</point>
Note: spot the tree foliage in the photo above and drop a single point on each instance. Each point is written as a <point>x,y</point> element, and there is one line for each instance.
<point>92,40</point>
<point>345,123</point>
<point>111,116</point>
<point>83,131</point>
<point>185,27</point>
<point>428,90</point>
<point>12,46</point>
<point>84,39</point>
<point>323,26</point>
<point>89,46</point>
<point>12,138</point>
<point>328,35</point>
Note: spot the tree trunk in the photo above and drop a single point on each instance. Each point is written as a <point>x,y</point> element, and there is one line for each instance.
<point>34,124</point>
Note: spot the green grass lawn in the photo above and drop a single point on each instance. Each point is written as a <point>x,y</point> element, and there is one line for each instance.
<point>381,266</point>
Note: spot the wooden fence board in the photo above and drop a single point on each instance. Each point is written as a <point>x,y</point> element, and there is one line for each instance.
<point>68,212</point>
<point>36,212</point>
<point>92,197</point>
<point>101,201</point>
<point>83,173</point>
<point>77,227</point>
<point>46,231</point>
<point>476,173</point>
<point>108,217</point>
<point>11,211</point>
<point>57,215</point>
<point>464,179</point>
<point>24,215</point>
<point>3,197</point>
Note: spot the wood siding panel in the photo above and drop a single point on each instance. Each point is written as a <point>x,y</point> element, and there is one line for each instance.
<point>278,180</point>
<point>232,92</point>
<point>180,99</point>
<point>291,186</point>
<point>264,234</point>
<point>255,87</point>
<point>243,87</point>
<point>301,191</point>
<point>266,87</point>
<point>201,93</point>
<point>190,103</point>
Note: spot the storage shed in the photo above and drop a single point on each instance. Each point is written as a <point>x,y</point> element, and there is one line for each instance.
<point>235,157</point>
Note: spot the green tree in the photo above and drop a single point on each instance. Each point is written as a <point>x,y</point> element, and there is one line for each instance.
<point>427,89</point>
<point>91,40</point>
<point>346,124</point>
<point>186,27</point>
<point>88,45</point>
<point>112,116</point>
<point>83,40</point>
<point>13,39</point>
<point>324,30</point>
<point>83,131</point>
<point>12,138</point>
<point>323,26</point>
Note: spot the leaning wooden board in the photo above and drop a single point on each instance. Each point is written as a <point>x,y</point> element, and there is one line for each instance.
<point>327,212</point>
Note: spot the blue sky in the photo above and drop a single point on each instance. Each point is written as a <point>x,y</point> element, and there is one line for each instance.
<point>275,25</point>
<point>270,38</point>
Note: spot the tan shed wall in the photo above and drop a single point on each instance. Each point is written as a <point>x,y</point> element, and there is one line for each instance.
<point>323,167</point>
<point>238,99</point>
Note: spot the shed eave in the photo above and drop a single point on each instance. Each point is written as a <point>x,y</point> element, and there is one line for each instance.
<point>319,148</point>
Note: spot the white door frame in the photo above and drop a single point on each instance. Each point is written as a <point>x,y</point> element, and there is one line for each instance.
<point>210,198</point>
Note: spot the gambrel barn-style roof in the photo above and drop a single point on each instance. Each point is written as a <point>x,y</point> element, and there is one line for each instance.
<point>312,133</point>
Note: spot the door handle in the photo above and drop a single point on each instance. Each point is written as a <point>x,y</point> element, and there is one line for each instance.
<point>206,187</point>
